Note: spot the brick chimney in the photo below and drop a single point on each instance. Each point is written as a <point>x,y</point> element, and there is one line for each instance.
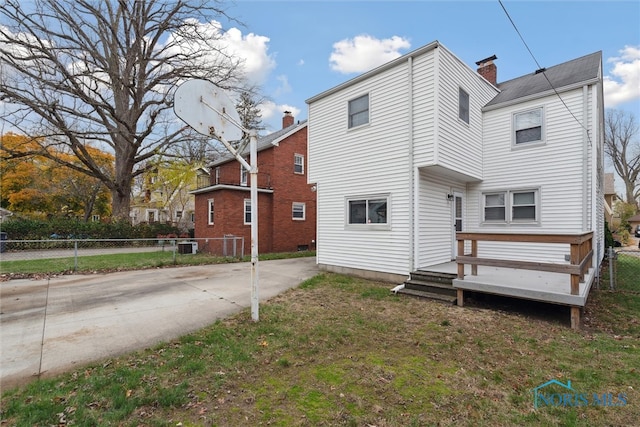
<point>488,70</point>
<point>287,120</point>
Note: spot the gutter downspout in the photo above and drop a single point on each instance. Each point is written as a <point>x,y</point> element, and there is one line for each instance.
<point>412,172</point>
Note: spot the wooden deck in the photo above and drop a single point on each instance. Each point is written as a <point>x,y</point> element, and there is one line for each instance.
<point>526,284</point>
<point>557,283</point>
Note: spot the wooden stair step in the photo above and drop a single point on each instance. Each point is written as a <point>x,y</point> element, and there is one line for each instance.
<point>429,295</point>
<point>434,287</point>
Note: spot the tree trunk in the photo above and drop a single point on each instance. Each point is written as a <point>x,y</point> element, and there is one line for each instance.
<point>120,204</point>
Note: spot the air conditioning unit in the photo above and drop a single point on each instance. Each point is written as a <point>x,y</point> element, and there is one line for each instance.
<point>187,247</point>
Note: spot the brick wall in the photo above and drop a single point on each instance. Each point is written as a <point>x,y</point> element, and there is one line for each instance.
<point>278,231</point>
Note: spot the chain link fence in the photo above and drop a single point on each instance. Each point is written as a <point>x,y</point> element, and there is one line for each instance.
<point>70,252</point>
<point>621,269</point>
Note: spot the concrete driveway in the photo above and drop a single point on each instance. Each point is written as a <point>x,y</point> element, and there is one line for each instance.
<point>49,326</point>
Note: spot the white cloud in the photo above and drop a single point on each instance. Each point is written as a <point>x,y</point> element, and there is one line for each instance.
<point>258,63</point>
<point>272,114</point>
<point>363,52</point>
<point>623,82</point>
<point>301,62</point>
<point>283,87</point>
<point>251,48</point>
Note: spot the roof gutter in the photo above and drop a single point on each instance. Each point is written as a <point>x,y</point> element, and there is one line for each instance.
<point>540,95</point>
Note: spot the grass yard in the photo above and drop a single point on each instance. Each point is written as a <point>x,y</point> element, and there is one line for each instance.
<point>344,351</point>
<point>124,261</point>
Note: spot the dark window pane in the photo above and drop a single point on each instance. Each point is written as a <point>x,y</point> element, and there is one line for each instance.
<point>358,212</point>
<point>528,135</point>
<point>494,214</point>
<point>463,105</point>
<point>524,212</point>
<point>378,211</point>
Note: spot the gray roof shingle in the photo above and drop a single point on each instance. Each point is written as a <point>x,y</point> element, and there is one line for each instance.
<point>264,142</point>
<point>569,73</point>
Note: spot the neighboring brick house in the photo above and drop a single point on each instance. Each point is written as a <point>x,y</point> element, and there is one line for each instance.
<point>286,201</point>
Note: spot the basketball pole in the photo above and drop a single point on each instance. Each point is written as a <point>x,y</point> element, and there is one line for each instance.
<point>253,152</point>
<point>252,167</point>
<point>189,96</point>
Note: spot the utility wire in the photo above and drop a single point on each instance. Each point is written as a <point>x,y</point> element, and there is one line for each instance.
<point>543,71</point>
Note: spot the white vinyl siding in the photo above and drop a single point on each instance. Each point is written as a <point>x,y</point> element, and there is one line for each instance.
<point>459,147</point>
<point>435,230</point>
<point>424,108</point>
<point>555,169</point>
<point>384,142</point>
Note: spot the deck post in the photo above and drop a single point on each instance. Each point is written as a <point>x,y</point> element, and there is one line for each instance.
<point>575,317</point>
<point>460,301</point>
<point>460,265</point>
<point>474,253</point>
<point>575,260</point>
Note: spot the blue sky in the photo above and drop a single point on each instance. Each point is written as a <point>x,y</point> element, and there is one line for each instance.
<point>297,49</point>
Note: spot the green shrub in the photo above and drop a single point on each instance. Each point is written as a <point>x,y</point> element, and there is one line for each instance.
<point>32,229</point>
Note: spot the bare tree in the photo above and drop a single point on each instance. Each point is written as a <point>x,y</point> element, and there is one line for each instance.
<point>622,147</point>
<point>78,73</point>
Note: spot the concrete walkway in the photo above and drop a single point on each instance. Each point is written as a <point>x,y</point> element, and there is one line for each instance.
<point>54,325</point>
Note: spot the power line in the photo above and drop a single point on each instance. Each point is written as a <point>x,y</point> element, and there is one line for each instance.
<point>543,71</point>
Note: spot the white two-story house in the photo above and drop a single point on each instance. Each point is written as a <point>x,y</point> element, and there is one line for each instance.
<point>409,155</point>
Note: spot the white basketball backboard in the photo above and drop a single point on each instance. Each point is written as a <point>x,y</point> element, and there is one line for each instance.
<point>207,109</point>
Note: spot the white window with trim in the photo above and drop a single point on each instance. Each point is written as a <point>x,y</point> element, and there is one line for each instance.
<point>247,211</point>
<point>463,105</point>
<point>359,111</point>
<point>217,176</point>
<point>368,211</point>
<point>244,174</point>
<point>298,211</point>
<point>528,127</point>
<point>178,214</point>
<point>211,211</point>
<point>512,207</point>
<point>298,163</point>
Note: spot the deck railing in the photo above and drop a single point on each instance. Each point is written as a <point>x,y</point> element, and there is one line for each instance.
<point>581,254</point>
<point>580,258</point>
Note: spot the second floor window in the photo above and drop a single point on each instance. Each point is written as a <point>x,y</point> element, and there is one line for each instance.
<point>528,126</point>
<point>298,163</point>
<point>244,174</point>
<point>359,111</point>
<point>217,177</point>
<point>463,105</point>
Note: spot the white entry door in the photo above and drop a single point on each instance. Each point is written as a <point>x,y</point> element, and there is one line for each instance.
<point>456,215</point>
